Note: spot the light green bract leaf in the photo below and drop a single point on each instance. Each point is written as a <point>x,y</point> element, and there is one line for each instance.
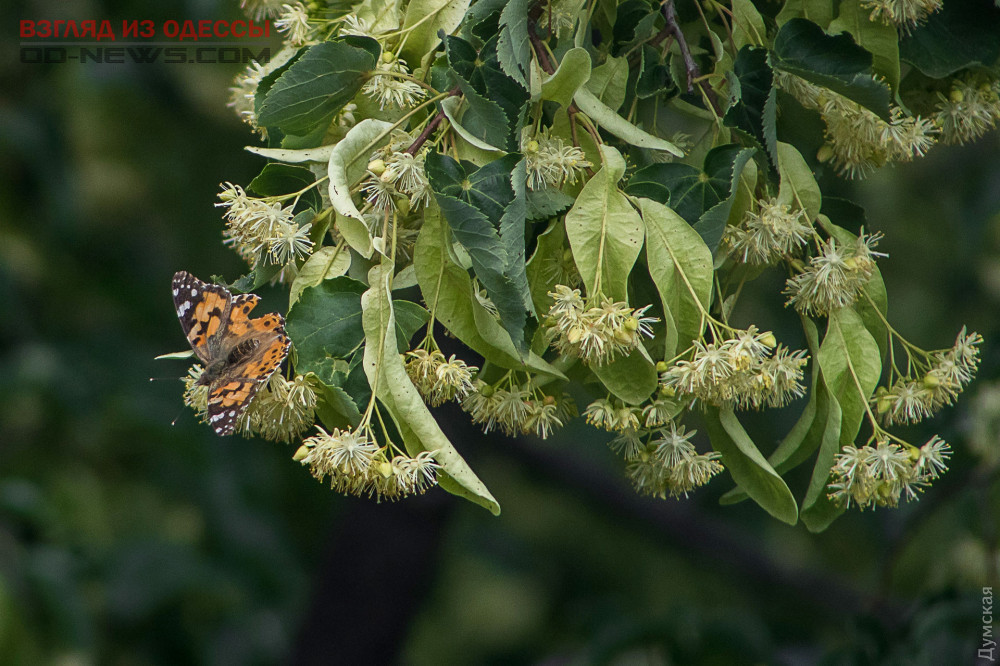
<point>175,355</point>
<point>325,263</point>
<point>386,373</point>
<point>422,21</point>
<point>798,188</point>
<point>321,154</point>
<point>631,378</point>
<point>604,231</point>
<point>608,81</point>
<point>748,467</point>
<point>681,267</point>
<point>349,159</point>
<point>356,233</point>
<point>573,72</point>
<point>623,129</point>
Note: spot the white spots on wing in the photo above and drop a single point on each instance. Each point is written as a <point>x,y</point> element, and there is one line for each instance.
<point>176,291</point>
<point>194,292</point>
<point>183,307</point>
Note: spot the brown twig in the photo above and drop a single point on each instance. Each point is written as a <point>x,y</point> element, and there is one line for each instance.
<point>690,66</point>
<point>431,126</point>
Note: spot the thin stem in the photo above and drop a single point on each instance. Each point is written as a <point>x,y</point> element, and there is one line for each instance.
<point>690,67</point>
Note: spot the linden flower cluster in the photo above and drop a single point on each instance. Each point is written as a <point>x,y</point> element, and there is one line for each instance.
<point>971,108</point>
<point>517,409</point>
<point>393,177</point>
<point>858,141</point>
<point>260,9</point>
<point>550,161</point>
<point>595,334</point>
<point>738,372</point>
<point>768,234</point>
<point>879,475</point>
<point>259,229</point>
<point>834,277</point>
<point>356,465</point>
<point>912,399</point>
<point>905,14</point>
<point>439,380</point>
<point>294,21</point>
<point>279,412</point>
<point>670,465</point>
<point>390,84</point>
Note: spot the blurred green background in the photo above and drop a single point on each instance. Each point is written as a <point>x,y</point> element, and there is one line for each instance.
<point>125,540</point>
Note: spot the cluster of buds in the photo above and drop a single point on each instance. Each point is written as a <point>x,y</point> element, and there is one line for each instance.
<point>739,372</point>
<point>971,108</point>
<point>439,380</point>
<point>767,234</point>
<point>912,399</point>
<point>261,228</point>
<point>670,465</point>
<point>517,409</point>
<point>834,277</point>
<point>858,141</point>
<point>595,334</point>
<point>551,162</point>
<point>356,465</point>
<point>879,475</point>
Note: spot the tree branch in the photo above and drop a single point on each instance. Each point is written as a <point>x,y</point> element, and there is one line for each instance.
<point>690,66</point>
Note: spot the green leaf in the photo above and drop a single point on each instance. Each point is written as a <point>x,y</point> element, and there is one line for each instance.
<point>513,49</point>
<point>609,119</point>
<point>386,373</point>
<point>831,61</point>
<point>547,202</point>
<point>280,179</point>
<point>543,267</point>
<point>876,37</point>
<point>483,123</point>
<point>356,233</point>
<point>755,112</point>
<point>747,466</point>
<point>447,289</point>
<point>712,223</point>
<point>681,267</point>
<point>326,321</point>
<point>654,77</point>
<point>320,154</point>
<point>349,160</point>
<point>475,203</point>
<point>325,263</point>
<point>253,280</point>
<point>748,26</point>
<point>423,20</point>
<point>410,318</point>
<point>316,87</point>
<point>819,12</point>
<point>959,35</point>
<point>604,231</point>
<point>632,378</point>
<point>690,191</point>
<point>798,188</point>
<point>608,82</point>
<point>573,72</point>
<point>334,406</point>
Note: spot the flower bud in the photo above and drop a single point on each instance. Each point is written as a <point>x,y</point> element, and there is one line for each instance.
<point>768,340</point>
<point>575,335</point>
<point>824,153</point>
<point>956,96</point>
<point>388,57</point>
<point>931,381</point>
<point>662,366</point>
<point>549,400</point>
<point>631,324</point>
<point>301,453</point>
<point>377,167</point>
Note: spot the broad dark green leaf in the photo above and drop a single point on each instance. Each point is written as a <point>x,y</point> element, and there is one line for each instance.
<point>475,203</point>
<point>832,61</point>
<point>654,76</point>
<point>326,321</point>
<point>748,467</point>
<point>482,118</point>
<point>876,37</point>
<point>513,50</point>
<point>961,34</point>
<point>253,280</point>
<point>543,204</point>
<point>278,179</point>
<point>317,85</point>
<point>335,408</point>
<point>410,318</point>
<point>690,191</point>
<point>755,111</point>
<point>712,223</point>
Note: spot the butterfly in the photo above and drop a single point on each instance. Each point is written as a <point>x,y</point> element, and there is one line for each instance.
<point>238,353</point>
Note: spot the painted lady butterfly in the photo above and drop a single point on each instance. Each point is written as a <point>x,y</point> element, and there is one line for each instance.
<point>239,354</point>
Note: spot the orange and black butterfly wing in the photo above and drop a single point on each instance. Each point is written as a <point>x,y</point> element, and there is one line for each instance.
<point>250,363</point>
<point>203,310</point>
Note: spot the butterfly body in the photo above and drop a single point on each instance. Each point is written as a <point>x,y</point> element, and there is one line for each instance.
<point>238,353</point>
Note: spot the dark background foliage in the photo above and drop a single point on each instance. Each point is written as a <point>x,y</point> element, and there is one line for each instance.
<point>125,540</point>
